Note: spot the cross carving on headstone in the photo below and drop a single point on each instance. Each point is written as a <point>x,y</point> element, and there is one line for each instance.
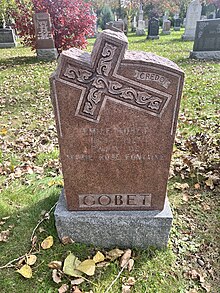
<point>99,81</point>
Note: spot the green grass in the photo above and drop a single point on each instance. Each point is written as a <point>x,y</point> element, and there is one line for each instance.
<point>30,180</point>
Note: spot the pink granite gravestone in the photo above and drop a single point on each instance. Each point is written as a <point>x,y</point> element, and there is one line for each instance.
<point>116,114</point>
<point>44,40</point>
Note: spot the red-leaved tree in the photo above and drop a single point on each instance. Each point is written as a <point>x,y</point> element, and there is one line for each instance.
<point>72,21</point>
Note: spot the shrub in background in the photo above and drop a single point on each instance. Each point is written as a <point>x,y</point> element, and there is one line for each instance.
<point>71,20</point>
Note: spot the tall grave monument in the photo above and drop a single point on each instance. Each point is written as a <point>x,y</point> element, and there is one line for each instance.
<point>207,40</point>
<point>192,16</point>
<point>140,31</point>
<point>44,39</point>
<point>116,115</point>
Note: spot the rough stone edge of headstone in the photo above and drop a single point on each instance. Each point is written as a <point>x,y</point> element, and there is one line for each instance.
<point>207,55</point>
<point>47,54</point>
<point>176,28</point>
<point>134,229</point>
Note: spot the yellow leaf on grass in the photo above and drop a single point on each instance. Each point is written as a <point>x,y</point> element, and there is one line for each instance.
<point>25,271</point>
<point>47,243</point>
<point>87,267</point>
<point>114,254</point>
<point>70,264</point>
<point>99,257</point>
<point>3,131</point>
<point>31,259</point>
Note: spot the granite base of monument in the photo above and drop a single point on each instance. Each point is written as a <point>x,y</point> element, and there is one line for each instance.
<point>188,38</point>
<point>206,55</point>
<point>152,37</point>
<point>166,32</point>
<point>140,32</point>
<point>47,54</point>
<point>108,229</point>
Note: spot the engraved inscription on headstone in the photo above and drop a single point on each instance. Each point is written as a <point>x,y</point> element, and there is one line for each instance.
<point>116,114</point>
<point>207,40</point>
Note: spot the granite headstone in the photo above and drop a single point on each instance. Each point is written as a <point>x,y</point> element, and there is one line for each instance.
<point>44,40</point>
<point>192,16</point>
<point>153,29</point>
<point>207,40</point>
<point>7,38</point>
<point>116,115</point>
<point>177,24</point>
<point>166,27</point>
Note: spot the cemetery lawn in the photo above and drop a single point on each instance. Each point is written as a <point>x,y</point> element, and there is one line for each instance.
<point>31,180</point>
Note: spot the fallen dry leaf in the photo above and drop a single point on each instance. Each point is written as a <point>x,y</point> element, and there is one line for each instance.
<point>3,131</point>
<point>99,257</point>
<point>206,207</point>
<point>70,264</point>
<point>77,281</point>
<point>47,242</point>
<point>114,254</point>
<point>197,186</point>
<point>76,289</point>
<point>181,186</point>
<point>31,259</point>
<point>102,264</point>
<point>125,258</point>
<point>130,264</point>
<point>25,271</point>
<point>63,288</point>
<point>87,267</point>
<point>56,276</point>
<point>130,281</point>
<point>185,196</point>
<point>67,240</point>
<point>55,265</point>
<point>206,286</point>
<point>126,289</point>
<point>4,235</point>
<point>209,183</point>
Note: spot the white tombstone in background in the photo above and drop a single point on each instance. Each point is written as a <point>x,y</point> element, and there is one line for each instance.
<point>141,23</point>
<point>134,24</point>
<point>192,16</point>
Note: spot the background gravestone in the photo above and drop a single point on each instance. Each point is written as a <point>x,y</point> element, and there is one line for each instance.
<point>44,39</point>
<point>177,24</point>
<point>192,16</point>
<point>153,29</point>
<point>207,40</point>
<point>140,31</point>
<point>7,38</point>
<point>166,27</point>
<point>116,114</point>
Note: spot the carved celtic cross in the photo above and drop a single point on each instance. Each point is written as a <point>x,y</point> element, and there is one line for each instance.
<point>97,77</point>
